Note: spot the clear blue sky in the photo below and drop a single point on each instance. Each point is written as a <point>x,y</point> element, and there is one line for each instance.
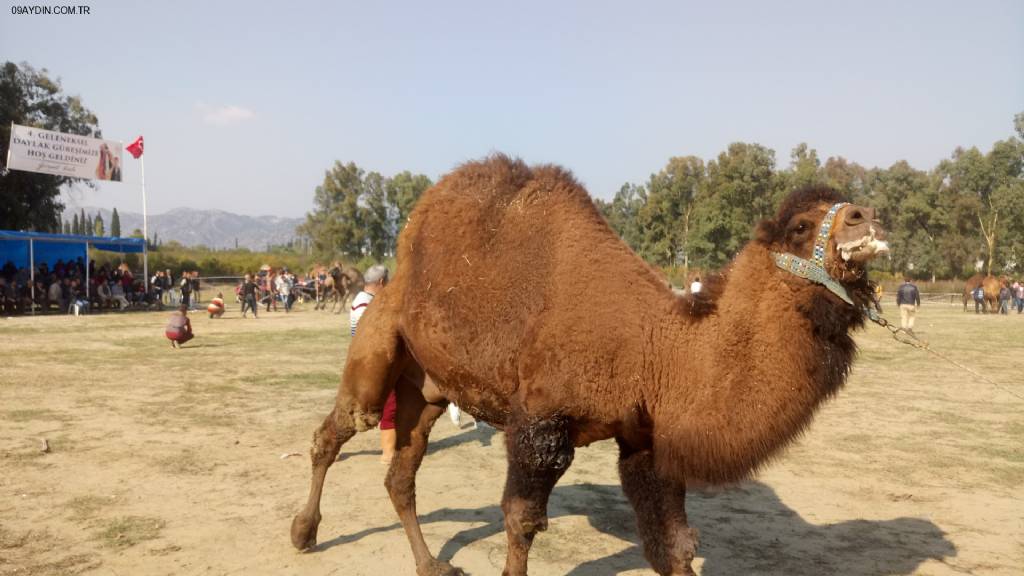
<point>244,105</point>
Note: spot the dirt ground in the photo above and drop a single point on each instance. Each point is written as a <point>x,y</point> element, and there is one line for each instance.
<point>170,462</point>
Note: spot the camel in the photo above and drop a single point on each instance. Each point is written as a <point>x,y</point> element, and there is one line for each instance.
<point>990,285</point>
<point>972,283</point>
<point>697,389</point>
<point>341,285</point>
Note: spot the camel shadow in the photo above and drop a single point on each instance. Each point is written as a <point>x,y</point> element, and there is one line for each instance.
<point>483,434</point>
<point>747,530</point>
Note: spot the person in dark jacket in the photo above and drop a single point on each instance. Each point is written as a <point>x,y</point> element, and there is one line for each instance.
<point>908,299</point>
<point>248,293</point>
<point>1004,299</point>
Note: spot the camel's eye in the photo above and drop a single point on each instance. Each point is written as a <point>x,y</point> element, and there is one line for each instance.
<point>800,229</point>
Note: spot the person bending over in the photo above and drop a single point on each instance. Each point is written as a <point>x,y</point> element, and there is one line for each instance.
<point>179,328</point>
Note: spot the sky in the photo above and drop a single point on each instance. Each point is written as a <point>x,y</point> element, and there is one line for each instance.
<point>245,105</point>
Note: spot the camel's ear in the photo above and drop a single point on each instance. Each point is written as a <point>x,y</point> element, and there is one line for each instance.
<point>768,232</point>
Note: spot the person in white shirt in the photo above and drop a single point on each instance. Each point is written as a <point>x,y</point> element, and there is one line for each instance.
<point>695,286</point>
<point>375,279</point>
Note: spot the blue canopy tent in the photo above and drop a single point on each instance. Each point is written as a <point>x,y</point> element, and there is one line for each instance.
<point>25,249</point>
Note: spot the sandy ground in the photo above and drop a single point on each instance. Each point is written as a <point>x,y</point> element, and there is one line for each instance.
<point>170,462</point>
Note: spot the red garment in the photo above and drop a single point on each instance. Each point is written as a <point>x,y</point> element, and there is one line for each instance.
<point>387,417</point>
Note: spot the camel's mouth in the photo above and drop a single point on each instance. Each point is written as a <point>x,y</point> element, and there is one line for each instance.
<point>862,250</point>
<point>858,237</point>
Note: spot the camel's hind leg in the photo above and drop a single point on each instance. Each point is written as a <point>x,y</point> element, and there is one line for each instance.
<point>413,421</point>
<point>376,358</point>
<point>539,452</point>
<point>669,543</point>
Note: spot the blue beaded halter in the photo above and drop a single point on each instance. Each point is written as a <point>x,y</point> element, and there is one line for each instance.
<point>814,269</point>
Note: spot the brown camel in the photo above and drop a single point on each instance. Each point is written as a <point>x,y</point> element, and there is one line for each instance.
<point>972,283</point>
<point>990,286</point>
<point>341,285</point>
<point>704,388</point>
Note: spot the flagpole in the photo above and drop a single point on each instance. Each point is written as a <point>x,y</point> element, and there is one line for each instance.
<point>145,229</point>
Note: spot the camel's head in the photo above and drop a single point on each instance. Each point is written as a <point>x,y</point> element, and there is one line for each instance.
<point>816,225</point>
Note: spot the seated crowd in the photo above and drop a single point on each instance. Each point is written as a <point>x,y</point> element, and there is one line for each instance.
<point>63,288</point>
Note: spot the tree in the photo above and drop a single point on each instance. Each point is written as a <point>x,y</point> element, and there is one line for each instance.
<point>115,224</point>
<point>30,201</point>
<point>740,192</point>
<point>76,228</point>
<point>988,189</point>
<point>403,190</point>
<point>377,222</point>
<point>335,225</point>
<point>665,218</point>
<point>98,226</point>
<point>622,212</point>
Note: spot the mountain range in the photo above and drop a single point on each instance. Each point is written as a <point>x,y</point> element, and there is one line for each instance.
<point>210,228</point>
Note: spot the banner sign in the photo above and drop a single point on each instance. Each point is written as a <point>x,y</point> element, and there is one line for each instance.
<point>60,154</point>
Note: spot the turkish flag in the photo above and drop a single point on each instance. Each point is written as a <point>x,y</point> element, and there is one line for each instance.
<point>135,148</point>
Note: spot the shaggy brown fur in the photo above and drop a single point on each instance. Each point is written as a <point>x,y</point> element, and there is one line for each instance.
<point>702,388</point>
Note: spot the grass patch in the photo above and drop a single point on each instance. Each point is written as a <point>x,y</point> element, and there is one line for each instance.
<point>187,462</point>
<point>31,414</point>
<point>127,531</point>
<point>84,508</point>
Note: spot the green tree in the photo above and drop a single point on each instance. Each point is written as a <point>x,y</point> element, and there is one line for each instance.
<point>378,225</point>
<point>30,201</point>
<point>622,212</point>
<point>740,192</point>
<point>804,170</point>
<point>98,226</point>
<point>76,228</point>
<point>335,226</point>
<point>666,217</point>
<point>403,190</point>
<point>115,224</point>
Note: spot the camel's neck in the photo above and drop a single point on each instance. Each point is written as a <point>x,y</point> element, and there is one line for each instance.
<point>746,379</point>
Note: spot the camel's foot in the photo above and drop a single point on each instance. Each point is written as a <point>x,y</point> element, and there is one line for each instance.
<point>304,529</point>
<point>436,567</point>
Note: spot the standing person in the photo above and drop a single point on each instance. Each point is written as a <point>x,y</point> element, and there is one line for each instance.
<point>1019,292</point>
<point>979,299</point>
<point>1004,299</point>
<point>908,299</point>
<point>156,284</point>
<point>374,281</point>
<point>179,328</point>
<point>249,291</point>
<point>185,288</point>
<point>695,286</point>
<point>196,297</point>
<point>284,289</point>
<point>168,283</point>
<point>268,287</point>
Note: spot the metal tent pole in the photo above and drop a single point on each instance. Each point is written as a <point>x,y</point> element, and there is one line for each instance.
<point>32,272</point>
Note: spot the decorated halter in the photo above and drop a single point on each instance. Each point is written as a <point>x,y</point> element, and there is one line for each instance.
<point>814,269</point>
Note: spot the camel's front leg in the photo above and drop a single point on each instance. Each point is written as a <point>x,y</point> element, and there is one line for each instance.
<point>336,429</point>
<point>539,452</point>
<point>669,543</point>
